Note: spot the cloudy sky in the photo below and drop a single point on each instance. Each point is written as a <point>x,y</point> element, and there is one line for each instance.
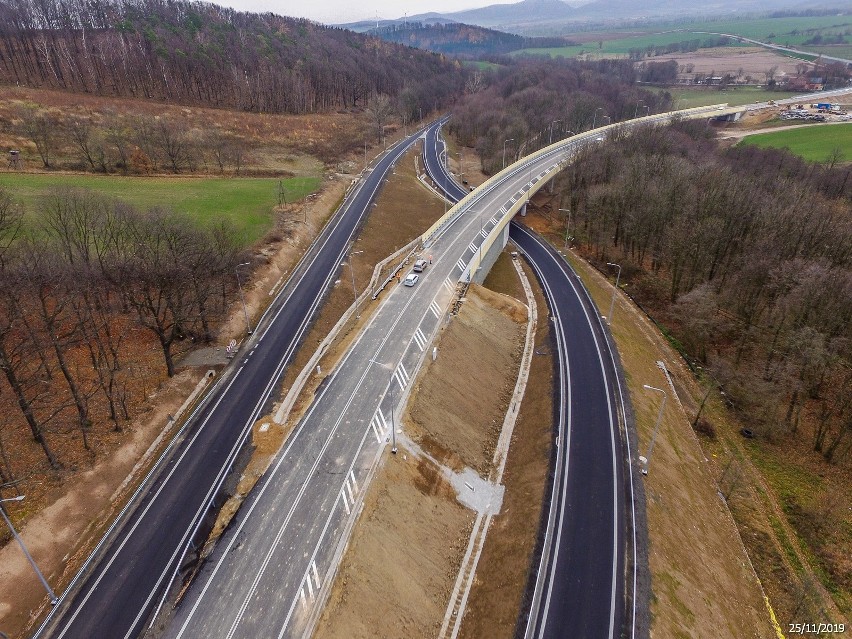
<point>339,11</point>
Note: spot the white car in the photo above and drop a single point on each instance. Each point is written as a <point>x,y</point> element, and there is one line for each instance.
<point>411,279</point>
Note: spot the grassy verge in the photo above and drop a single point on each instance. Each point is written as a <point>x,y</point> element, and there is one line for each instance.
<point>815,144</point>
<point>246,202</point>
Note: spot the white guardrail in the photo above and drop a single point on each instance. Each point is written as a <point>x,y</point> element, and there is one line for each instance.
<point>563,150</point>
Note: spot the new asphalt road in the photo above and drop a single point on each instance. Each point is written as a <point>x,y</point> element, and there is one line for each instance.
<point>124,580</point>
<point>582,590</point>
<point>269,575</point>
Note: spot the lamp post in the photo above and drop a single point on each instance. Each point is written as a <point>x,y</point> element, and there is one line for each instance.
<point>612,301</point>
<point>242,296</point>
<point>636,110</point>
<point>595,119</point>
<point>390,387</point>
<point>550,140</point>
<point>365,155</point>
<point>567,225</point>
<point>504,150</point>
<point>53,598</point>
<point>352,274</point>
<point>647,110</point>
<point>461,168</point>
<point>646,460</point>
<point>608,119</point>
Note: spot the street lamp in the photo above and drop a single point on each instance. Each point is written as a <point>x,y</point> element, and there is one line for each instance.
<point>644,461</point>
<point>595,119</point>
<point>504,150</point>
<point>608,119</point>
<point>242,296</point>
<point>567,225</point>
<point>612,301</point>
<point>550,140</point>
<point>636,110</point>
<point>352,273</point>
<point>647,110</point>
<point>53,598</point>
<point>461,168</point>
<point>390,387</point>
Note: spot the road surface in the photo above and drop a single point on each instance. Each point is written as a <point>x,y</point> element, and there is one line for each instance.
<point>124,580</point>
<point>583,589</point>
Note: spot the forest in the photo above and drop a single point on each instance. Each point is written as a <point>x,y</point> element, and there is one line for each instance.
<point>75,286</point>
<point>200,53</point>
<point>746,254</point>
<point>531,102</point>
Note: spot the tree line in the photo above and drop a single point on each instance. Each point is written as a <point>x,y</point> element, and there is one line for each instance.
<point>76,285</point>
<point>746,253</point>
<point>138,144</point>
<point>200,53</point>
<point>532,101</point>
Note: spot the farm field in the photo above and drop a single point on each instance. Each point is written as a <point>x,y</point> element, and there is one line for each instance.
<point>245,202</point>
<point>786,31</point>
<point>686,98</point>
<point>813,143</point>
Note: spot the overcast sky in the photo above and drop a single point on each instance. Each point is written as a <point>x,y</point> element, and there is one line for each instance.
<point>339,11</point>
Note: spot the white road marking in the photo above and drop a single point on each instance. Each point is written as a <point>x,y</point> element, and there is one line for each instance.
<point>375,430</point>
<point>316,574</point>
<point>436,310</point>
<point>461,264</point>
<point>493,220</point>
<point>483,233</point>
<point>420,339</point>
<point>472,247</point>
<point>345,503</point>
<point>449,284</point>
<point>352,478</point>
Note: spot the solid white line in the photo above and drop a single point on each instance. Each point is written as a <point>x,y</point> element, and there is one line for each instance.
<point>562,267</point>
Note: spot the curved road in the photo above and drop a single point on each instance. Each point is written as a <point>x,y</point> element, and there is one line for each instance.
<point>584,588</point>
<point>116,591</point>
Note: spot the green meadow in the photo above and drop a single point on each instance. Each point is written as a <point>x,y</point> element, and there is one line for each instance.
<point>245,202</point>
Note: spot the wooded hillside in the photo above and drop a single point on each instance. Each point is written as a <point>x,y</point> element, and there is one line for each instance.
<point>462,40</point>
<point>199,53</point>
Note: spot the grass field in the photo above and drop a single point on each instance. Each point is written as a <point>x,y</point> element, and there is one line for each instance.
<point>786,31</point>
<point>246,202</point>
<point>814,143</point>
<point>686,98</point>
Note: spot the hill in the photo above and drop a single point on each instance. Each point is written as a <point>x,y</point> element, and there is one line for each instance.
<point>199,53</point>
<point>460,40</point>
<point>554,17</point>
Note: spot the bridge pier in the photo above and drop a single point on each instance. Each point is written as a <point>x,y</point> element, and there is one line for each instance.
<point>491,255</point>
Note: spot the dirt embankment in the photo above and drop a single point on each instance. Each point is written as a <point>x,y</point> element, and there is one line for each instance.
<point>501,578</point>
<point>458,408</point>
<point>398,572</point>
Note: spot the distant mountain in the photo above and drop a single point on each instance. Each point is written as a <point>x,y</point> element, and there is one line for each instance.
<point>553,17</point>
<point>460,40</point>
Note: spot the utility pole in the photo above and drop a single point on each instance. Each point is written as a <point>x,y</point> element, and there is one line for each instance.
<point>612,301</point>
<point>53,598</point>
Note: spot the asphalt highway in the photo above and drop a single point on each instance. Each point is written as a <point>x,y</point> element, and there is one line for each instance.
<point>583,590</point>
<point>125,578</point>
<point>271,572</point>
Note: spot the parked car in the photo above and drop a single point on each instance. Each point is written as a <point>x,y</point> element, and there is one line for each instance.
<point>411,279</point>
<point>420,266</point>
